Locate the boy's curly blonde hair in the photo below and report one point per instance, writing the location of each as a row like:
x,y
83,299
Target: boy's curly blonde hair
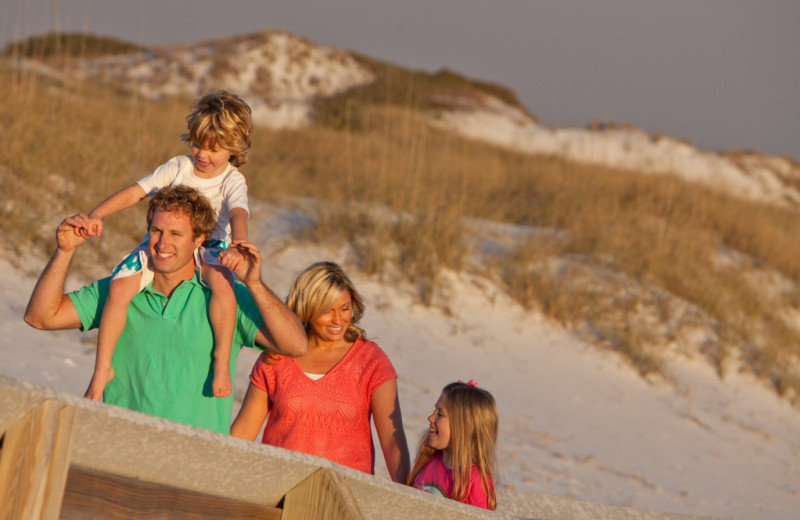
x,y
222,118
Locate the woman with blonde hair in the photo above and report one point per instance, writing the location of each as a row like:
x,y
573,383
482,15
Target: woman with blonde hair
x,y
321,403
456,455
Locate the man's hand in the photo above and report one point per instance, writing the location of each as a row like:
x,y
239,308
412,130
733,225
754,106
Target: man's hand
x,y
49,308
249,269
282,331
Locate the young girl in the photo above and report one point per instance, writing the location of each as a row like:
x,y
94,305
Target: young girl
x,y
219,129
456,456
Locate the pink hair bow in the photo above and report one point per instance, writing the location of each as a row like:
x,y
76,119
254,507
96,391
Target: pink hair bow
x,y
471,383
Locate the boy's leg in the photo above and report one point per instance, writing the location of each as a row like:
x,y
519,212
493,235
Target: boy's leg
x,y
222,314
112,323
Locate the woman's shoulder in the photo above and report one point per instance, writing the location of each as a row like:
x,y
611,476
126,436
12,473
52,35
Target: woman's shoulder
x,y
270,361
367,347
372,362
367,344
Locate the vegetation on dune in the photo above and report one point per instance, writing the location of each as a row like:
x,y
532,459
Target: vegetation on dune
x,y
640,264
59,45
411,90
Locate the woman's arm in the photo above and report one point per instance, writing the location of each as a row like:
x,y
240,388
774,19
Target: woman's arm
x,y
252,414
385,406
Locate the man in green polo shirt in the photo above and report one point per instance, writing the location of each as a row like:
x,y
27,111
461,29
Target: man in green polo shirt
x,y
163,362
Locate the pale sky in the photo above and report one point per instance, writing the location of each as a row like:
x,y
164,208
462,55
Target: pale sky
x,y
722,74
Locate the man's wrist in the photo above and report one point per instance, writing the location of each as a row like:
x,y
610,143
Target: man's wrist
x,y
257,284
66,252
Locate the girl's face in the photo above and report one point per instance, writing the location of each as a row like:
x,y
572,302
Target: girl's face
x,y
332,325
439,436
210,159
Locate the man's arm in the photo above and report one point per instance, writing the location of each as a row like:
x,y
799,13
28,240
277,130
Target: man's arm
x,y
282,331
49,308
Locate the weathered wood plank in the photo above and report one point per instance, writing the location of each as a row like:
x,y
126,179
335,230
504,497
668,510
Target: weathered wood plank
x,y
103,496
34,462
321,495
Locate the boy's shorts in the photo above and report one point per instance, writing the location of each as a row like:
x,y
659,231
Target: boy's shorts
x,y
138,261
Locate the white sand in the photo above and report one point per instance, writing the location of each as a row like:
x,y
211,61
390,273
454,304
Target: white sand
x,y
575,421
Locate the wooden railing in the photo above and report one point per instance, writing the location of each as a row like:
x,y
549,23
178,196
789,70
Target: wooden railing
x,y
66,457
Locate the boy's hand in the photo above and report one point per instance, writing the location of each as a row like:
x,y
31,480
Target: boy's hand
x,y
94,227
72,232
231,258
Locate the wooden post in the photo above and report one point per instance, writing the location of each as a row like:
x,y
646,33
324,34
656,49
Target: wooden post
x,y
34,463
94,494
321,495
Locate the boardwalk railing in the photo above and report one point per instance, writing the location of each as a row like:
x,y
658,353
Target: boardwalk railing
x,y
65,457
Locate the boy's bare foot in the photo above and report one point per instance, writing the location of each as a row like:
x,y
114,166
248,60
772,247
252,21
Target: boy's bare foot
x,y
100,379
221,385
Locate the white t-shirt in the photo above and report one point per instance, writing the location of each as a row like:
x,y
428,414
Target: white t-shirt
x,y
226,191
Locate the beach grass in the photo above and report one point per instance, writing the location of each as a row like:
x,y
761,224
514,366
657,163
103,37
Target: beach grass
x,y
638,263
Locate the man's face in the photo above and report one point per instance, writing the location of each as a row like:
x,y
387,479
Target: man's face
x,y
171,242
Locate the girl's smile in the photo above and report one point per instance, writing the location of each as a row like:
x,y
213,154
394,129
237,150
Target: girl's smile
x,y
439,436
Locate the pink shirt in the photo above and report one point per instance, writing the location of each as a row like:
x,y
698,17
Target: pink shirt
x,y
329,417
437,478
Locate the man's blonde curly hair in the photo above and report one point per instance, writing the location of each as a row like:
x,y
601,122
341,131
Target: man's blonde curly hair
x,y
190,201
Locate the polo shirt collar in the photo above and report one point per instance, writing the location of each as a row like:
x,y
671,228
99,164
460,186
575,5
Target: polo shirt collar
x,y
170,308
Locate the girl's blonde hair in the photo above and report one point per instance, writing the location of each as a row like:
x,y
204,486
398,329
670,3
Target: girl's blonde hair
x,y
220,117
316,289
472,414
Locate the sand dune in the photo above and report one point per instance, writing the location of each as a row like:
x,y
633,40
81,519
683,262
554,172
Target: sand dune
x,y
575,421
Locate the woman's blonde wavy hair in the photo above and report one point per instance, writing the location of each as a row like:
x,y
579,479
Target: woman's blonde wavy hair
x,y
316,289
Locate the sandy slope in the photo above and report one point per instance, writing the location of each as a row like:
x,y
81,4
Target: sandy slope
x,y
574,421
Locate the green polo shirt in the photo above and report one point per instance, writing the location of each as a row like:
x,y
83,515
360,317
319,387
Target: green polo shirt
x,y
163,362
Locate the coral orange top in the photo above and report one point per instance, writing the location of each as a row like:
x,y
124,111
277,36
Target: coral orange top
x,y
329,417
